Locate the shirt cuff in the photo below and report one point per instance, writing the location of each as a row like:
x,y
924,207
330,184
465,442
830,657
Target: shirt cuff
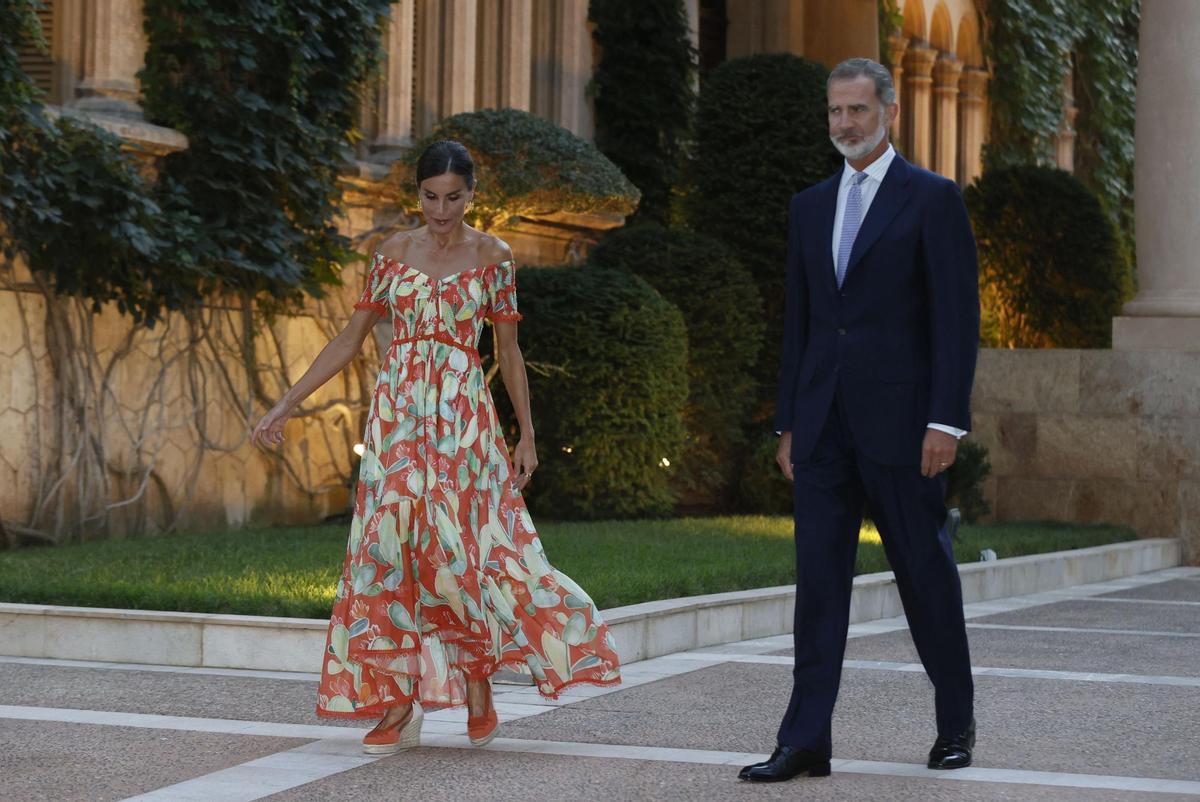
x,y
941,427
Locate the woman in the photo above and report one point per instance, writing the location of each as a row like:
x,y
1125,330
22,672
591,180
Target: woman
x,y
444,579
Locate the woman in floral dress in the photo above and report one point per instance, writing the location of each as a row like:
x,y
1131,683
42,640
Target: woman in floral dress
x,y
444,580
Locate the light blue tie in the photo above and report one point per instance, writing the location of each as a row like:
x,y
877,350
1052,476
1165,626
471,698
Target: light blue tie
x,y
850,223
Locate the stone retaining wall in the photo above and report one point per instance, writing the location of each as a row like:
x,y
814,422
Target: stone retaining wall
x,y
1093,436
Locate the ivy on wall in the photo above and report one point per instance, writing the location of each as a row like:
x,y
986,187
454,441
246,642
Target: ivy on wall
x,y
268,93
74,205
1029,44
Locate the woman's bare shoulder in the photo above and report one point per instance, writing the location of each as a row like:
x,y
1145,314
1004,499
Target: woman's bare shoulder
x,y
493,250
396,247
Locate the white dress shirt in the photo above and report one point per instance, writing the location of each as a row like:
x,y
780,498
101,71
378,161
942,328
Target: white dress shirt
x,y
875,171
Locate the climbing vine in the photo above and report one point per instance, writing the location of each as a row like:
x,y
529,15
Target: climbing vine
x,y
200,256
1031,44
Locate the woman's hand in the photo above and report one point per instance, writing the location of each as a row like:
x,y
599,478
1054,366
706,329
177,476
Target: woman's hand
x,y
269,431
524,461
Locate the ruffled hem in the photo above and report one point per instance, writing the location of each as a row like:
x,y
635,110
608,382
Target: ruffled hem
x,y
378,307
505,317
376,710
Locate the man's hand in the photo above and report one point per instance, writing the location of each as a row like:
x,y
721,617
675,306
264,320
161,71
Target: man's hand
x,y
938,452
783,455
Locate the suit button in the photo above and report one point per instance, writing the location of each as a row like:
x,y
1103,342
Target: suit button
x,y
841,331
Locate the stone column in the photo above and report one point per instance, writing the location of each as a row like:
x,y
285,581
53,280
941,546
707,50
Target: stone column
x,y
428,83
114,49
972,93
573,48
396,89
835,30
489,44
897,44
1064,139
946,72
516,54
1165,315
458,62
918,66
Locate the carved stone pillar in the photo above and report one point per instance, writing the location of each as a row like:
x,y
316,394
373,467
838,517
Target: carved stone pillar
x,y
972,94
946,72
897,44
918,68
1165,315
458,63
573,47
114,49
395,121
516,55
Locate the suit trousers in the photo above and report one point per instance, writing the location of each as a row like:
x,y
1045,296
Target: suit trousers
x,y
831,488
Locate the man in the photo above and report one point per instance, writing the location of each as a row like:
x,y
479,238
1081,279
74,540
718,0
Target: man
x,y
880,339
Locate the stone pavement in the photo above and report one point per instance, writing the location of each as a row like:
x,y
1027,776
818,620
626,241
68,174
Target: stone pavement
x,y
1088,693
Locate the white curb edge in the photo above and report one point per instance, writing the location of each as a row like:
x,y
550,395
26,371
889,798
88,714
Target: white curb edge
x,y
642,631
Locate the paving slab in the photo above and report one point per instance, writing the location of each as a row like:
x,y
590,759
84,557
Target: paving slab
x,y
1145,617
55,762
1056,651
450,775
1175,590
167,693
1040,725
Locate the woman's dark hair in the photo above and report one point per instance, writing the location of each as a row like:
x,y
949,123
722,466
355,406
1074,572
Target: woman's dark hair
x,y
446,156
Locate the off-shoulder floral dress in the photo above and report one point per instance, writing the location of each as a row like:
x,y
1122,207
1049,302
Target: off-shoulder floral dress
x,y
444,577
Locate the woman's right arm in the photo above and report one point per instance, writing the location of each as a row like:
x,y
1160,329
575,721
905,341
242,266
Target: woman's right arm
x,y
332,359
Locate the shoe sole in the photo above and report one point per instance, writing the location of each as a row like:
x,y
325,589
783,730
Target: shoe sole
x,y
485,740
817,771
947,768
410,738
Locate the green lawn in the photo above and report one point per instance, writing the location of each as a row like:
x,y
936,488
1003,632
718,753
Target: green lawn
x,y
292,571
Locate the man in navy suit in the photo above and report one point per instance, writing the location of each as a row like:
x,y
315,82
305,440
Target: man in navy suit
x,y
880,339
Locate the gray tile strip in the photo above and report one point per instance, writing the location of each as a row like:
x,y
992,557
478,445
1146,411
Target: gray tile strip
x,y
336,751
1089,630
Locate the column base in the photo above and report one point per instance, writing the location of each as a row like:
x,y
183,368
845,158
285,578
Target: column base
x,y
1156,333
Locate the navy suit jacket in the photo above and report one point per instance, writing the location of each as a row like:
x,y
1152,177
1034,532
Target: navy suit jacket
x,y
897,343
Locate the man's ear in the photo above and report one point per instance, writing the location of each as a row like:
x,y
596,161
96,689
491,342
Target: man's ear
x,y
891,112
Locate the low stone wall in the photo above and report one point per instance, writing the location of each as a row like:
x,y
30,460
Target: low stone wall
x,y
1093,436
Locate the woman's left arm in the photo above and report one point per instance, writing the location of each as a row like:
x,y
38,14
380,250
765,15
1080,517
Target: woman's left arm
x,y
516,382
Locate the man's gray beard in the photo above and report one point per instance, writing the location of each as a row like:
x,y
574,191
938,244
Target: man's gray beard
x,y
866,146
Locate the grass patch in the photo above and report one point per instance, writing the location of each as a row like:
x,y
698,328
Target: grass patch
x,y
292,571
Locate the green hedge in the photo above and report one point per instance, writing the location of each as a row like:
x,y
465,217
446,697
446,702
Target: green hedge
x,y
1050,267
761,136
644,94
525,165
723,313
607,366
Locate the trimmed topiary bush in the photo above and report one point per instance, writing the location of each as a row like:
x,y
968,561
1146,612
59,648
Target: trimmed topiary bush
x,y
644,94
607,366
964,481
525,166
723,314
763,488
761,135
1051,273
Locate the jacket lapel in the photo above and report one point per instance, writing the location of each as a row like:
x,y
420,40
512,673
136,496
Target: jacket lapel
x,y
889,199
824,240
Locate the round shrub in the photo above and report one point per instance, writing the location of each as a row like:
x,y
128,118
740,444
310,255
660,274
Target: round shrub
x,y
763,488
1050,270
606,357
644,95
964,481
525,166
723,314
761,135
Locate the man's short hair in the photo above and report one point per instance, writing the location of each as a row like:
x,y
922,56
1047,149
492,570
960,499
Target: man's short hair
x,y
853,68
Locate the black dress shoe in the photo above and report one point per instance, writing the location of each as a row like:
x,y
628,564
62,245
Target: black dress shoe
x,y
785,763
954,752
